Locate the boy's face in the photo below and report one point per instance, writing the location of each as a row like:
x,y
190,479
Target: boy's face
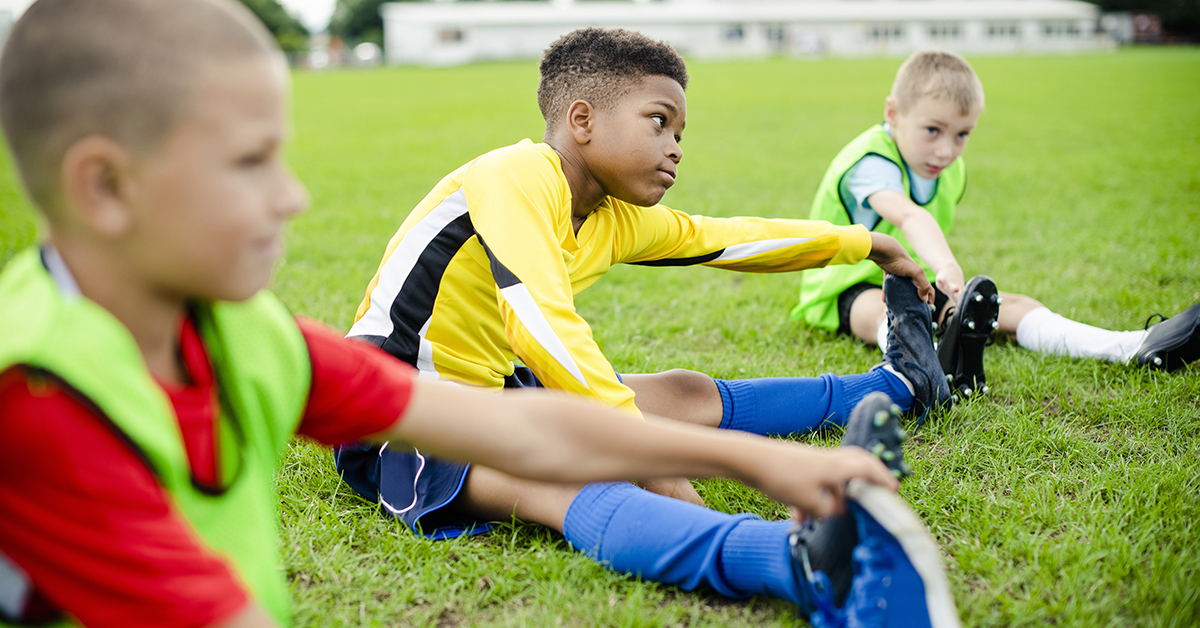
x,y
634,152
931,134
209,204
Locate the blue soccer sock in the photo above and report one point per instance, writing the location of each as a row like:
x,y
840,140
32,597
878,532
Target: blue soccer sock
x,y
674,542
777,406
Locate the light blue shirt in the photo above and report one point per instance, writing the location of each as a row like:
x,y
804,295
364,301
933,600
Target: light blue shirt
x,y
874,174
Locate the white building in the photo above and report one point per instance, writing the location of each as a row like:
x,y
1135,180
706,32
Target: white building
x,y
445,33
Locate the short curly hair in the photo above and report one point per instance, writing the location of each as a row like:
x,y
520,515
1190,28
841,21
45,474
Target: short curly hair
x,y
600,65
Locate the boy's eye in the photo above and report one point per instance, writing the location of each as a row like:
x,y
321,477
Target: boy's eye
x,y
932,130
659,119
254,159
964,134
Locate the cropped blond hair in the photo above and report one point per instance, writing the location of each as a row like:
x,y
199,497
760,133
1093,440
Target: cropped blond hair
x,y
937,74
123,69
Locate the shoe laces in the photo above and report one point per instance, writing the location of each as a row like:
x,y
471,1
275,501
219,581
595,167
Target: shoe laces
x,y
1161,318
941,328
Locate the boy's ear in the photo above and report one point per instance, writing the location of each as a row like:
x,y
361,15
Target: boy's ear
x,y
95,181
581,117
889,110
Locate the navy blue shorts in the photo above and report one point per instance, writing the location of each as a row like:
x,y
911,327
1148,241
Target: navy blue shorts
x,y
416,487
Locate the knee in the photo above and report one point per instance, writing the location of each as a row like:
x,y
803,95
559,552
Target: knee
x,y
688,385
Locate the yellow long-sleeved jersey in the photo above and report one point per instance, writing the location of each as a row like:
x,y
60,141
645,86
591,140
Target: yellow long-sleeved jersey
x,y
486,268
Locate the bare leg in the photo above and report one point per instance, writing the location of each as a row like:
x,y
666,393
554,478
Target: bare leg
x,y
867,313
1014,308
678,394
490,495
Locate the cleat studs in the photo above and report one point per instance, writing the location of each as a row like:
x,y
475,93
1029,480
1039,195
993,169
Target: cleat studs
x,y
902,435
895,410
978,298
985,390
995,324
888,456
999,300
967,392
881,417
878,449
1157,361
949,378
970,324
898,473
907,470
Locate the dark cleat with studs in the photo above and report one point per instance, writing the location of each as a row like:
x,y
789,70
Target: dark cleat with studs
x,y
1172,344
877,565
966,330
910,351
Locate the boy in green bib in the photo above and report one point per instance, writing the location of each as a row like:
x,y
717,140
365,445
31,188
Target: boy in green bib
x,y
904,177
149,384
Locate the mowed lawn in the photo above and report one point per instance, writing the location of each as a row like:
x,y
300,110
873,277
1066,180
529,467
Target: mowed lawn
x,y
1069,496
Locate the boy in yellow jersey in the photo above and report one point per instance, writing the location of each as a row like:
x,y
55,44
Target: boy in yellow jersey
x,y
904,177
484,272
149,383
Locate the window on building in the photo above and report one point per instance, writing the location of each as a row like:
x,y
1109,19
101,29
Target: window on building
x,y
1061,29
734,33
776,36
885,32
451,35
1003,30
945,30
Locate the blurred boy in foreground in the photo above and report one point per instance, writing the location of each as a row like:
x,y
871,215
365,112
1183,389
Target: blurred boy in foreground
x,y
149,383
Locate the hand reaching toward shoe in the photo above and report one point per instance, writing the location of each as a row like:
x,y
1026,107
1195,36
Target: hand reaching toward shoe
x,y
887,252
812,481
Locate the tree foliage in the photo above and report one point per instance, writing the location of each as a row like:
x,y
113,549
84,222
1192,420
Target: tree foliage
x,y
357,20
1179,17
287,29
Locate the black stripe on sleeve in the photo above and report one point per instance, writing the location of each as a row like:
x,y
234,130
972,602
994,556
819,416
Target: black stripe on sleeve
x,y
413,305
682,261
503,276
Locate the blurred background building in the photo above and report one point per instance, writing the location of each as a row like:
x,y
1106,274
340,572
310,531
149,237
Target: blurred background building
x,y
441,33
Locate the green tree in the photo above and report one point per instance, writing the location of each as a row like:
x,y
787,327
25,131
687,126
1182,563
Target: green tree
x,y
357,20
1179,17
288,31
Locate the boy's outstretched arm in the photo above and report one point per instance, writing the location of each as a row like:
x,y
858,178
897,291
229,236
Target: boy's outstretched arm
x,y
925,235
550,436
887,252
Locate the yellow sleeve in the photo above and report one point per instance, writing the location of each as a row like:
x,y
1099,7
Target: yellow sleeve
x,y
661,236
519,204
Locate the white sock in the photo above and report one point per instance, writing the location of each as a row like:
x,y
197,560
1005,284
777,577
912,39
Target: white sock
x,y
881,336
1045,331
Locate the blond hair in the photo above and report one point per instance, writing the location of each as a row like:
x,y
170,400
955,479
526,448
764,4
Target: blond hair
x,y
937,74
123,69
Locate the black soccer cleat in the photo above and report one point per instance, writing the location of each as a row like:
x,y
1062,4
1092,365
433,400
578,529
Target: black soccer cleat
x,y
826,545
874,425
965,333
910,350
1172,344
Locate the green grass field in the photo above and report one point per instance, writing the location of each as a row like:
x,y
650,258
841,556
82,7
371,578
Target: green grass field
x,y
1069,496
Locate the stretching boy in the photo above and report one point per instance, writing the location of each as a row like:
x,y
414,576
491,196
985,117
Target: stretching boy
x,y
484,271
148,386
904,178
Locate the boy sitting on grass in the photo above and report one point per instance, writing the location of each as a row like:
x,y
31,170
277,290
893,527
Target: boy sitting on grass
x,y
485,269
904,178
148,382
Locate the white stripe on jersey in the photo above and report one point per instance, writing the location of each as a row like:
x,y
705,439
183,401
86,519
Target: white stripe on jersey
x,y
750,249
426,369
530,315
378,320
